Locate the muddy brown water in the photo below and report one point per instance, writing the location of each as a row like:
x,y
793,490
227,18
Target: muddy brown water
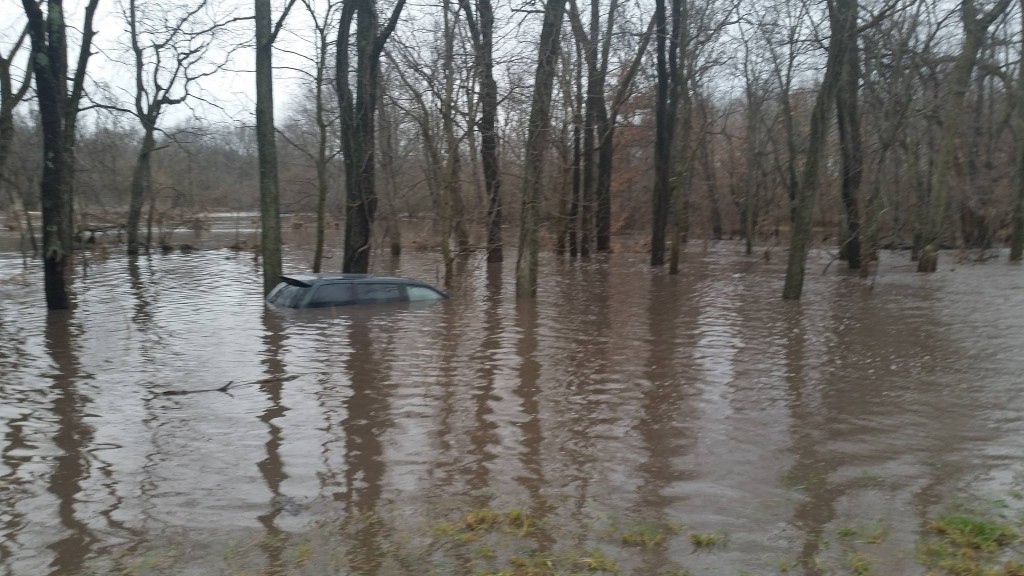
x,y
621,397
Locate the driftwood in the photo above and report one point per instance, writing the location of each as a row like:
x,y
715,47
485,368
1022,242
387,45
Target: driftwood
x,y
224,388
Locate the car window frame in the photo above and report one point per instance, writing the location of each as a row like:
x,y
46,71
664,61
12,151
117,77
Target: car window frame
x,y
402,295
296,301
355,298
440,295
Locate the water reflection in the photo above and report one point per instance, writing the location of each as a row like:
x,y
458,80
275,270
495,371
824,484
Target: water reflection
x,y
811,471
530,474
272,468
486,359
72,438
620,397
366,423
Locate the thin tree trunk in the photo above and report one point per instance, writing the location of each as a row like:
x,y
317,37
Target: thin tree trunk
x,y
850,147
974,29
605,160
800,239
388,131
1017,240
140,179
483,41
577,156
451,200
321,155
565,187
540,116
665,114
682,161
750,203
710,174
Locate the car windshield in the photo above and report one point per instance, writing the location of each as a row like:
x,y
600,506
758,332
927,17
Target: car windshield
x,y
288,296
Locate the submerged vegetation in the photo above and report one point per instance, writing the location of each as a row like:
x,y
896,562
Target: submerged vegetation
x,y
964,541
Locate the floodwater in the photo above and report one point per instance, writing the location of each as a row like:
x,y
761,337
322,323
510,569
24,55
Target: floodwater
x,y
621,398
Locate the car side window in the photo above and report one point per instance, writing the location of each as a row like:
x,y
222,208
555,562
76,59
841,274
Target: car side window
x,y
379,293
422,294
338,294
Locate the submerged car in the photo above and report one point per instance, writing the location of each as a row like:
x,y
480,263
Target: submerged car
x,y
325,290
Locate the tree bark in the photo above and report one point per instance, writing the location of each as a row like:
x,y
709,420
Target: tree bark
x,y
140,181
975,27
753,161
10,97
1017,239
540,117
665,114
800,239
357,124
850,143
270,201
482,32
58,111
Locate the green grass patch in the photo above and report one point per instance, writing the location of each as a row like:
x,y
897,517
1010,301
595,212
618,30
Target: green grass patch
x,y
974,532
706,540
643,535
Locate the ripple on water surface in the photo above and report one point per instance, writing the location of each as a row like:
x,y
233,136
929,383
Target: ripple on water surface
x,y
620,397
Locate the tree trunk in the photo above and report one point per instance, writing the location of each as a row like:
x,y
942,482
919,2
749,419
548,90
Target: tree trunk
x,y
540,116
1017,240
710,174
321,211
357,124
753,161
452,225
270,202
58,110
682,166
850,147
140,180
388,131
605,159
321,156
956,85
577,98
800,239
483,41
565,188
665,123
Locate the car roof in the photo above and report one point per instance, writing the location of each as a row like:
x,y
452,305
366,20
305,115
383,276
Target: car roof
x,y
309,279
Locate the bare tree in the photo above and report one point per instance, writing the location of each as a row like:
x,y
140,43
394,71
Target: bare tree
x,y
11,95
357,121
537,129
270,197
975,27
1017,239
324,118
850,142
666,30
481,28
803,212
170,47
58,111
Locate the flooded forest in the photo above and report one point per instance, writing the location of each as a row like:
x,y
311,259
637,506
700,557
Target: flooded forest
x,y
734,287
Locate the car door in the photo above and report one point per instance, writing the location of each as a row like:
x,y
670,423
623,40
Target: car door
x,y
333,294
379,293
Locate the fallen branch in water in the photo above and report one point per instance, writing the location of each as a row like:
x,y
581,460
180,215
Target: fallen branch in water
x,y
224,388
